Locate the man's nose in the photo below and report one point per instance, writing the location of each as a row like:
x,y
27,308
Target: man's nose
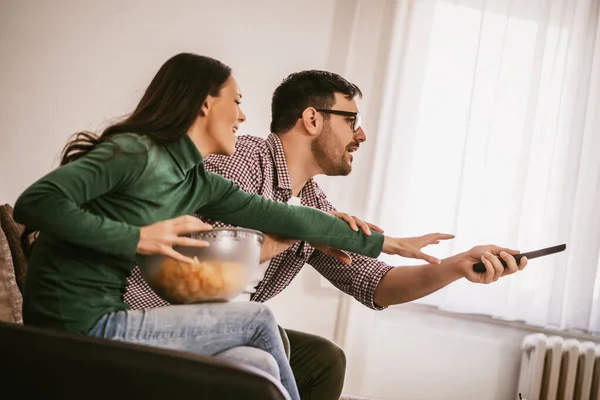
x,y
360,136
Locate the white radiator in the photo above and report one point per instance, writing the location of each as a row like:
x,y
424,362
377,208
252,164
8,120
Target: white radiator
x,y
556,368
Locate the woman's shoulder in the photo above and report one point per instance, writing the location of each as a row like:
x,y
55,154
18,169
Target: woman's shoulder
x,y
125,150
132,142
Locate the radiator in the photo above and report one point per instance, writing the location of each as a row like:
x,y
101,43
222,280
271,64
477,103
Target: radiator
x,y
556,368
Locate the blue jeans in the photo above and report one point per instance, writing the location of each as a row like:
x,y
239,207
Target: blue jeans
x,y
240,331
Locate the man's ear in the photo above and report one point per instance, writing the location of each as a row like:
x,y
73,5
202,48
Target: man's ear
x,y
312,121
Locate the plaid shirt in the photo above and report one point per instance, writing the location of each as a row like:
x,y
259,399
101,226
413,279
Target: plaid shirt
x,y
258,166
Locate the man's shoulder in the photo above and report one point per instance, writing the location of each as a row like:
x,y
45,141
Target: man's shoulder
x,y
247,148
246,166
320,198
250,140
319,192
250,145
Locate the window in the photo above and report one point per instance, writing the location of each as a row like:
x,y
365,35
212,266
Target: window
x,y
494,111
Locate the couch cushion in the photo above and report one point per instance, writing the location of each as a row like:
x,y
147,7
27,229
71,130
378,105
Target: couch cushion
x,y
11,301
13,233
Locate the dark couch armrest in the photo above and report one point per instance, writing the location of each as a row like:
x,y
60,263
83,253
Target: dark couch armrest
x,y
43,364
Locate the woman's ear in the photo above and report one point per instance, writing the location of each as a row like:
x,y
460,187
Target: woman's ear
x,y
207,105
204,109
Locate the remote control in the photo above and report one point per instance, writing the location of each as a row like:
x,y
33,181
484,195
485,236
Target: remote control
x,y
479,267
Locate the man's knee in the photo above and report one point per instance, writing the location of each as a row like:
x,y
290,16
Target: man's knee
x,y
336,359
319,366
324,356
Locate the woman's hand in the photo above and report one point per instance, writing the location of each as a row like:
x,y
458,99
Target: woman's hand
x,y
411,247
160,237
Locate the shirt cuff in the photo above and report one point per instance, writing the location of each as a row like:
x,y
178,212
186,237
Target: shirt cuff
x,y
367,282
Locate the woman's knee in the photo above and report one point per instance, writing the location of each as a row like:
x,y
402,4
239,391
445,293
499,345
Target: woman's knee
x,y
259,311
254,357
235,310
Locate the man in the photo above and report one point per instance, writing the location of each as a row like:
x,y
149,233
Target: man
x,y
315,129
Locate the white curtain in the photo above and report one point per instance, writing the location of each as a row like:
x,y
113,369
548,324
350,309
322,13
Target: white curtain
x,y
490,129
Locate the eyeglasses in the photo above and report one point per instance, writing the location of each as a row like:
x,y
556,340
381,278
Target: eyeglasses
x,y
355,117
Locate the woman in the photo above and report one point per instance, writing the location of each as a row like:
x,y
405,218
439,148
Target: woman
x,y
130,192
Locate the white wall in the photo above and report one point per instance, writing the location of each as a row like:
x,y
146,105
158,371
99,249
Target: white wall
x,y
68,65
431,356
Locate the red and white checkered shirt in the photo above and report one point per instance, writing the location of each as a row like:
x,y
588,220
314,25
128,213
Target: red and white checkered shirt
x,y
259,166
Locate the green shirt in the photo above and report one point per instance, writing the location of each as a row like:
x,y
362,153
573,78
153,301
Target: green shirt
x,y
89,215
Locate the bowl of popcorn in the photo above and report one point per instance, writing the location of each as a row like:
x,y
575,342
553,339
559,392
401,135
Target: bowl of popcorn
x,y
219,272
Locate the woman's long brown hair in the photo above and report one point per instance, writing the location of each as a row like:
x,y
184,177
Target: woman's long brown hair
x,y
165,113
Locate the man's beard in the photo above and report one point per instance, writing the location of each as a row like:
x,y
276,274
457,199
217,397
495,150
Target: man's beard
x,y
327,155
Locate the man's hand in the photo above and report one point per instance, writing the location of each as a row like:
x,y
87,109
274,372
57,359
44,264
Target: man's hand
x,y
339,254
411,247
356,223
404,284
489,255
273,245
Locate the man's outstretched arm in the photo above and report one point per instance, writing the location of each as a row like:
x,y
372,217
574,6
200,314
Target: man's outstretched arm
x,y
378,285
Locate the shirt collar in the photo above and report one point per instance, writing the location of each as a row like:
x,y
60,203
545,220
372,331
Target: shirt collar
x,y
310,192
281,169
185,153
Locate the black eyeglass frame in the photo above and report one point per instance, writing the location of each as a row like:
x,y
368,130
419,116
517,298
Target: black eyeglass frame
x,y
356,116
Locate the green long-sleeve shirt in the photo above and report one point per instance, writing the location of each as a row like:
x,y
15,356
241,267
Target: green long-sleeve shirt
x,y
89,215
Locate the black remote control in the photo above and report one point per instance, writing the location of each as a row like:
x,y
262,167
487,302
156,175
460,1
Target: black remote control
x,y
479,267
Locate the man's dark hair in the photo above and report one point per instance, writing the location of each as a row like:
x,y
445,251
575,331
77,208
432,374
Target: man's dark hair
x,y
306,89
